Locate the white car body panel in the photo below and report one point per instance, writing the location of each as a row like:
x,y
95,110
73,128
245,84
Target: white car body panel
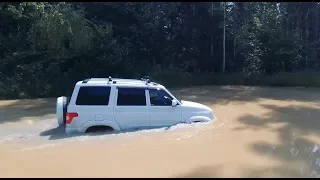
x,y
190,110
129,117
164,115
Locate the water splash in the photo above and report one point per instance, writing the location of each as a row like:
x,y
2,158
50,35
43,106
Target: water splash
x,y
36,147
33,131
294,151
314,174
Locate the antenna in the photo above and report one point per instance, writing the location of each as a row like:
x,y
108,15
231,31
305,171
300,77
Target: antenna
x,y
146,79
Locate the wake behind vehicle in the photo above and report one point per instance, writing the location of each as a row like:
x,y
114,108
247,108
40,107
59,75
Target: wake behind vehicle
x,y
122,104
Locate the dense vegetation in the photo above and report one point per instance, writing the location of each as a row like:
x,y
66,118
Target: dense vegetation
x,y
45,47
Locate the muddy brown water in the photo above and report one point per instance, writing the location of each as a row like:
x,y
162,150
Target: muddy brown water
x,y
259,132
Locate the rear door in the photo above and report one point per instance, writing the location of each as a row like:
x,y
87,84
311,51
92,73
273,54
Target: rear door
x,y
131,110
92,103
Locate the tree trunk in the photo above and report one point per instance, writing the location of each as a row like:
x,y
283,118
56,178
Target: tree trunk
x,y
234,48
316,9
303,26
224,38
312,38
211,37
242,18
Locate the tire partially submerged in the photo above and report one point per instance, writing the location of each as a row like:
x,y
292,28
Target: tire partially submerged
x,y
61,110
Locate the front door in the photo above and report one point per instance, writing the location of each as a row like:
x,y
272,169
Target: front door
x,y
161,111
131,110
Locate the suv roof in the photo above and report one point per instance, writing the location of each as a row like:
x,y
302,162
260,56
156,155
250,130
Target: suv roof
x,y
118,81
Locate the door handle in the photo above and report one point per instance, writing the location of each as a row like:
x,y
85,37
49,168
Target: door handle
x,y
119,109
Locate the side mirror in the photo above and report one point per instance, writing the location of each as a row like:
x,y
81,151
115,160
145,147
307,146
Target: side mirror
x,y
174,103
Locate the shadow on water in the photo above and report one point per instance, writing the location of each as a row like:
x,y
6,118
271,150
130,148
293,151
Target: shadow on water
x,y
292,124
296,123
202,172
217,171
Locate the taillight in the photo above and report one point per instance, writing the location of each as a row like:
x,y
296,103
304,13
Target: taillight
x,y
70,116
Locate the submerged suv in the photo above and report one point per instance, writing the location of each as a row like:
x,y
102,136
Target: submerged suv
x,y
122,104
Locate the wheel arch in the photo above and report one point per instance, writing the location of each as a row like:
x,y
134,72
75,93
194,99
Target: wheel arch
x,y
110,124
197,119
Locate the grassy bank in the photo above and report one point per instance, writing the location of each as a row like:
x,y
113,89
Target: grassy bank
x,y
305,79
12,89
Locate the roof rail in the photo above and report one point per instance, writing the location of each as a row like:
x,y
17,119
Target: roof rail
x,y
109,80
86,80
145,78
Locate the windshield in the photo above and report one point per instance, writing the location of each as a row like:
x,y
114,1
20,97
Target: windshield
x,y
173,96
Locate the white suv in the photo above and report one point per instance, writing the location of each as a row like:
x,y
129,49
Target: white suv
x,y
122,104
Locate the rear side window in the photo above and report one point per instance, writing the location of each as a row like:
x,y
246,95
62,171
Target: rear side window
x,y
93,95
131,97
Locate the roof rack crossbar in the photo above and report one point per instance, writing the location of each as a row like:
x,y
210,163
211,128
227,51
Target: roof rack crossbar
x,y
146,79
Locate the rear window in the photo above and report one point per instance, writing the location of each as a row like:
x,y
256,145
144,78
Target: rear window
x,y
93,95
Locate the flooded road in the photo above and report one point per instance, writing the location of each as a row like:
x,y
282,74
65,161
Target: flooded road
x,y
259,132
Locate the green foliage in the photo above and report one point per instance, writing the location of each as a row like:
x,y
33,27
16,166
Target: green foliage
x,y
59,30
45,47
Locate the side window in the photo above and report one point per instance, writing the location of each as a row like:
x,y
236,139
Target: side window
x,y
93,95
159,97
131,97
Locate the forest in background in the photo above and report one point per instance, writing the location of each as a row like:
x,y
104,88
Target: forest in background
x,y
45,47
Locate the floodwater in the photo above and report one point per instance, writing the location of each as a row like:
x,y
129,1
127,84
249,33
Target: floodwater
x,y
259,132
